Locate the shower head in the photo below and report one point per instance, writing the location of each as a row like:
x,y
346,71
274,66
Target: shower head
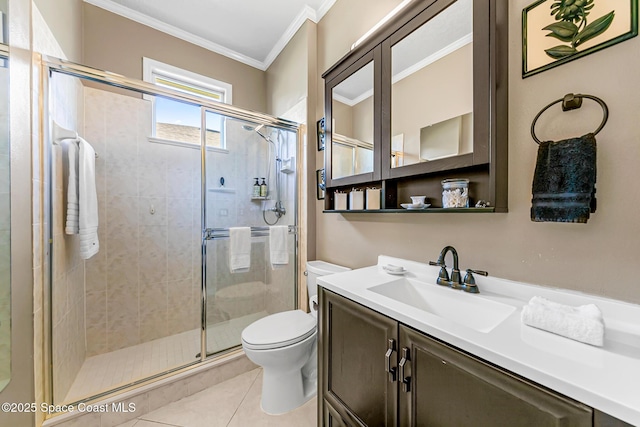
x,y
251,128
257,130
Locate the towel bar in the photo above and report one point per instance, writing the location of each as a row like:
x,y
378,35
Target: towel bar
x,y
59,134
572,102
223,233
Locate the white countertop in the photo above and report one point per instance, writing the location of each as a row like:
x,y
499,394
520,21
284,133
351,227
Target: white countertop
x,y
606,378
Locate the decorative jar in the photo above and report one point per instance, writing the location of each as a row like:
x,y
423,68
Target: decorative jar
x,y
455,193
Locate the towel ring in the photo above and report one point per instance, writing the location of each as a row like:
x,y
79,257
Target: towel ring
x,y
572,102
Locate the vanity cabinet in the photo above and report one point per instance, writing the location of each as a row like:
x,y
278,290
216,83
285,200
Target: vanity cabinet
x,y
356,390
375,371
423,99
450,388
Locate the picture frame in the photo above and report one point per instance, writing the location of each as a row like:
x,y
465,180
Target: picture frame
x,y
554,34
320,184
320,130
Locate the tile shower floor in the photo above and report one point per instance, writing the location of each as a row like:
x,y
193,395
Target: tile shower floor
x,y
233,403
110,370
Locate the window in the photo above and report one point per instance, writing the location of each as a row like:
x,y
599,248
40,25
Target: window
x,y
180,122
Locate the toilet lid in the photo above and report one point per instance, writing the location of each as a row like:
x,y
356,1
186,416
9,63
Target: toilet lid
x,y
279,330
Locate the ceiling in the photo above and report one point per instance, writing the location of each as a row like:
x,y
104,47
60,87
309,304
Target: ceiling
x,y
250,31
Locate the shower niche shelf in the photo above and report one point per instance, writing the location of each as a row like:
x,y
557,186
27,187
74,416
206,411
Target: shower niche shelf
x,y
260,198
222,190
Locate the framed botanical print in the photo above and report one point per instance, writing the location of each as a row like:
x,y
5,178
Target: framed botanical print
x,y
555,32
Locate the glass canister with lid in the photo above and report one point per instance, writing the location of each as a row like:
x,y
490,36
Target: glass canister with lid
x,y
455,193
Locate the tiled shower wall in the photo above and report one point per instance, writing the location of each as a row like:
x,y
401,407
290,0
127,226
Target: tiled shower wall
x,y
145,281
68,310
261,289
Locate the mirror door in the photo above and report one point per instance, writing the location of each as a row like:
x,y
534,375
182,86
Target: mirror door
x,y
353,123
437,91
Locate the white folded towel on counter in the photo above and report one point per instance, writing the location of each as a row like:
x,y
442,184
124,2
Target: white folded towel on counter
x,y
583,323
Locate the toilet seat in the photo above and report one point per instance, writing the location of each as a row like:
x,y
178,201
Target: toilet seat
x,y
279,330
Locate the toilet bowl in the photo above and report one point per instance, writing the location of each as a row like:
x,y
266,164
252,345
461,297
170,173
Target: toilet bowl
x,y
285,345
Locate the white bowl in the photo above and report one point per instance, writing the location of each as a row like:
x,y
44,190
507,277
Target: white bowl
x,y
415,206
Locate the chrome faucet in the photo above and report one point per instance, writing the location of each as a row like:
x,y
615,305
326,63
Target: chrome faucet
x,y
468,283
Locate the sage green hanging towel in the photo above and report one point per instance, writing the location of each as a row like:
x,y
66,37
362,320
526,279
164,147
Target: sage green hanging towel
x,y
564,180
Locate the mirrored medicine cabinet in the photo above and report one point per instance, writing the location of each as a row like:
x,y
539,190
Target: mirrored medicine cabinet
x,y
423,99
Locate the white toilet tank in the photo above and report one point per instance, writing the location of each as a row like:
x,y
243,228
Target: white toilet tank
x,y
316,269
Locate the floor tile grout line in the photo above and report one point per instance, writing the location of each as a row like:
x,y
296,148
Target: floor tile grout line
x,y
160,423
243,399
155,422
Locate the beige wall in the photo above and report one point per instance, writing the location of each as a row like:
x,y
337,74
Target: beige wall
x,y
117,44
599,257
64,18
286,77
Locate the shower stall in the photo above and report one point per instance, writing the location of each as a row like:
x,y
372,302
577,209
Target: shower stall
x,y
173,173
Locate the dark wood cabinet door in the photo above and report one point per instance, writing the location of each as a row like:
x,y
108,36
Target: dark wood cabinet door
x,y
354,342
450,388
331,417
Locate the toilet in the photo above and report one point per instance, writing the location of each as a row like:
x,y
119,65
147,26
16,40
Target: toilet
x,y
285,345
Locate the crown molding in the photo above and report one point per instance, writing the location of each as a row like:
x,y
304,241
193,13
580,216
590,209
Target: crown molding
x,y
143,19
306,13
323,9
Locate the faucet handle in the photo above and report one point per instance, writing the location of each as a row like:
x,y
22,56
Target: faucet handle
x,y
443,276
480,272
469,283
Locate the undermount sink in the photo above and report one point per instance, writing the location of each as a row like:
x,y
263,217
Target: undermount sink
x,y
470,310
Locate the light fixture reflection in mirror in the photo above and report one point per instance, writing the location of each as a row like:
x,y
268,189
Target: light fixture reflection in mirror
x,y
352,124
432,89
5,228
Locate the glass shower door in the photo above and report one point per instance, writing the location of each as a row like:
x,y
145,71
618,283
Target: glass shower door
x,y
243,289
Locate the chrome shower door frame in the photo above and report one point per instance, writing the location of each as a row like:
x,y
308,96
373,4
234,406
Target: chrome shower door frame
x,y
49,66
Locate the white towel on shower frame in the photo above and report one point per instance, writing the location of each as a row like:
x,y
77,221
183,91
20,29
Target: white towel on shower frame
x,y
88,218
82,198
279,253
239,249
72,224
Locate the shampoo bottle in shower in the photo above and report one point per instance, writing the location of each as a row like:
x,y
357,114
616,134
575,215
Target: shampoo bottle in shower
x,y
263,188
256,188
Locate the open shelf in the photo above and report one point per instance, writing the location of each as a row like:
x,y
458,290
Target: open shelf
x,y
427,210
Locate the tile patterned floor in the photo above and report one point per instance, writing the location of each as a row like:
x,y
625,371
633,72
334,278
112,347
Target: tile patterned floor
x,y
233,403
110,370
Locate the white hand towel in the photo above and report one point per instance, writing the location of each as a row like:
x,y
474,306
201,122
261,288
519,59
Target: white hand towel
x,y
72,225
278,250
88,218
583,323
239,249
